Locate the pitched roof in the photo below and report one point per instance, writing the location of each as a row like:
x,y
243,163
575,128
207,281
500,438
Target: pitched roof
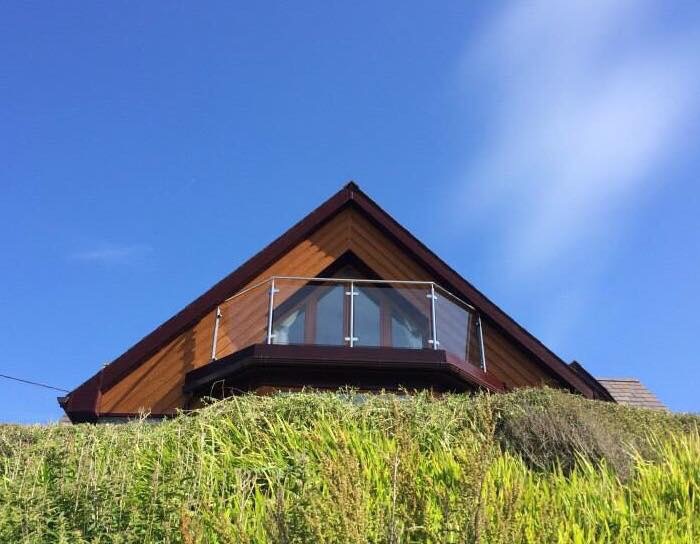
x,y
85,397
601,392
632,392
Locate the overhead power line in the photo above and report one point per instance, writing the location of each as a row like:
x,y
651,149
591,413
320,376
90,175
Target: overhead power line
x,y
29,382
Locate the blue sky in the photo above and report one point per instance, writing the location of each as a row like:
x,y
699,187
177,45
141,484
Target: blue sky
x,y
549,153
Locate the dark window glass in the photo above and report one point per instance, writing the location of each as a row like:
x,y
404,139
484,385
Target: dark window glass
x,y
290,330
329,317
367,327
405,334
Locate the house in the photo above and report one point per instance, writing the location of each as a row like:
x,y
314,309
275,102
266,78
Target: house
x,y
347,296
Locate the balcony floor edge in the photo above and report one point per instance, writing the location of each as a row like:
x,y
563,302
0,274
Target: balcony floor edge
x,y
330,367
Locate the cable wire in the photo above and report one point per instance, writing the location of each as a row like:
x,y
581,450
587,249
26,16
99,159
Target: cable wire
x,y
29,382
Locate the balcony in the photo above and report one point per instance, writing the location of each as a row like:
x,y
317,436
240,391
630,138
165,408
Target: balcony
x,y
291,332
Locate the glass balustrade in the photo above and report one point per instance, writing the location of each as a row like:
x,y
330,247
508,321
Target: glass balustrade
x,y
351,313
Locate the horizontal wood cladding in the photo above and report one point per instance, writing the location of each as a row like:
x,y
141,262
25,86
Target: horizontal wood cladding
x,y
510,364
157,385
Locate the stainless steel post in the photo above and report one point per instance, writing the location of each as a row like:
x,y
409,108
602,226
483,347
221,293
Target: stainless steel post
x,y
432,298
215,336
481,343
270,310
351,339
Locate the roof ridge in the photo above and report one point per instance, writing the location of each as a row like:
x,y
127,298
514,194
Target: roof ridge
x,y
619,379
351,185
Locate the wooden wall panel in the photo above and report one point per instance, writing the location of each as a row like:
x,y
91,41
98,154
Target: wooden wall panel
x,y
380,254
510,364
156,385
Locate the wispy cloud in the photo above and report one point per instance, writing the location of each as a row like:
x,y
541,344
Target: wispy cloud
x,y
584,101
111,254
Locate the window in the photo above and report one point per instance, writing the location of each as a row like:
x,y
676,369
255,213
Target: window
x,y
318,313
367,319
290,330
405,334
330,317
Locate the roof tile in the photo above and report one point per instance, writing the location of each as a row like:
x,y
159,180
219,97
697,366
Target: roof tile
x,y
631,392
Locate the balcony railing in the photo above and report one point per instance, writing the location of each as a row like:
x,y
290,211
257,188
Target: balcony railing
x,y
351,313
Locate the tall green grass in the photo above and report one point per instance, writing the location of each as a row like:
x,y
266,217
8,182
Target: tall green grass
x,y
532,466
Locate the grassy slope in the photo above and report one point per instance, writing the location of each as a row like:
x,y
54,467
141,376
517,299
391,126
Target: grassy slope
x,y
531,466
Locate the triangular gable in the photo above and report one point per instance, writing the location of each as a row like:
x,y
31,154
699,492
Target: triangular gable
x,y
85,398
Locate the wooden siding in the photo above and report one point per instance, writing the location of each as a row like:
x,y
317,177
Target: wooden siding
x,y
510,364
156,386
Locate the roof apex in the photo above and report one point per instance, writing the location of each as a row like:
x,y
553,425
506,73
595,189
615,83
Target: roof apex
x,y
352,186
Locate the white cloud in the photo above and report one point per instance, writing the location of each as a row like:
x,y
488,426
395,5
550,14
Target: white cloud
x,y
583,101
110,254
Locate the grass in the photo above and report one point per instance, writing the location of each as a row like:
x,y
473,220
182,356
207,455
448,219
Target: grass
x,y
530,466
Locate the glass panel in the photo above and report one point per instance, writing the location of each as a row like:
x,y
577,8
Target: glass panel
x,y
392,315
308,312
330,316
243,321
290,329
474,355
456,329
452,327
405,333
409,316
367,328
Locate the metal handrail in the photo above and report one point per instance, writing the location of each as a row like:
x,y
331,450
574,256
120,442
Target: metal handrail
x,y
347,280
433,287
248,289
